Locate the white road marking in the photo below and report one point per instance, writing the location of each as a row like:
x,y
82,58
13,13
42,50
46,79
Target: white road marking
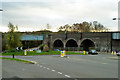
x,y
37,64
53,70
44,67
67,76
59,73
104,63
48,68
40,66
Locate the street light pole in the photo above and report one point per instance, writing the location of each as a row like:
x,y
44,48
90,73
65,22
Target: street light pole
x,y
118,22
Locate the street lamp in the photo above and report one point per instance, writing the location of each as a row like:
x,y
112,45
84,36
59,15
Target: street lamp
x,y
116,19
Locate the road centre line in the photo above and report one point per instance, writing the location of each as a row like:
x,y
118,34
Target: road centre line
x,y
53,70
48,68
59,73
104,63
44,67
67,76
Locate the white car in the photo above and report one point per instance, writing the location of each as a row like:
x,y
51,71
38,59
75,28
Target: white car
x,y
118,54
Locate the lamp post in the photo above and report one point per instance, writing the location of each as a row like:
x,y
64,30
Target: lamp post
x,y
118,19
111,32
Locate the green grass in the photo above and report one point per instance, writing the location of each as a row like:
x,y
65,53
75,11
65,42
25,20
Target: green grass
x,y
17,60
42,53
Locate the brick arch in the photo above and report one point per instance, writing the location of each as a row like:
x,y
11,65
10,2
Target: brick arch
x,y
86,43
70,44
56,39
58,43
69,39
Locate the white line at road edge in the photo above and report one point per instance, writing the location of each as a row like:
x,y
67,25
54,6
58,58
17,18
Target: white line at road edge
x,y
67,76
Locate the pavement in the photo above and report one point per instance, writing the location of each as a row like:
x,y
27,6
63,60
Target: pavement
x,y
74,66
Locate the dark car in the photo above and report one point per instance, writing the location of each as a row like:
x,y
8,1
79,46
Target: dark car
x,y
118,54
93,52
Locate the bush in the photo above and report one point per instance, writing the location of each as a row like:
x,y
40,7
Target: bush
x,y
10,50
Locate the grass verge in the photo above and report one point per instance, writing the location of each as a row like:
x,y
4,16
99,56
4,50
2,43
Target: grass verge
x,y
25,61
20,53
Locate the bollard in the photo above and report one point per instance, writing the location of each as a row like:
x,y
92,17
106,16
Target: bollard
x,y
84,52
13,55
62,53
25,52
115,53
112,53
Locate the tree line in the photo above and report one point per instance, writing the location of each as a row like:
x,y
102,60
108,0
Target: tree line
x,y
84,27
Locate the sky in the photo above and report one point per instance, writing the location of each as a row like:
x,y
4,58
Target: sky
x,y
34,15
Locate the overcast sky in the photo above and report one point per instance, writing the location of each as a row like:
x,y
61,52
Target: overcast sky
x,y
33,15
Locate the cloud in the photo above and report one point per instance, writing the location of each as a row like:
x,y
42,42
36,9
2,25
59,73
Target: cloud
x,y
38,13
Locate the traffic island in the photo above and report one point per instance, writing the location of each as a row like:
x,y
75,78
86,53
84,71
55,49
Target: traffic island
x,y
19,60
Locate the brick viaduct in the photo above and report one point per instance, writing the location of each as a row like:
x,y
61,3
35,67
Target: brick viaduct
x,y
102,41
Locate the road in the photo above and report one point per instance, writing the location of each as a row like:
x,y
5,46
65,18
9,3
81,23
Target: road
x,y
75,66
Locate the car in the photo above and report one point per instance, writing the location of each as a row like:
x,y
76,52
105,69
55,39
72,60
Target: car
x,y
57,50
118,54
93,52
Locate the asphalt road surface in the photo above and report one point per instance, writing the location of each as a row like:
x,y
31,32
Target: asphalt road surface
x,y
53,66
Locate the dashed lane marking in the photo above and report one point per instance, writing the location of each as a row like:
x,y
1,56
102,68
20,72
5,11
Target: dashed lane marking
x,y
67,76
104,63
44,67
48,68
59,73
53,70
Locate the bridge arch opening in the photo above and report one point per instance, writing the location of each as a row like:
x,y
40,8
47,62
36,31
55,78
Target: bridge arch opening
x,y
58,43
87,44
71,43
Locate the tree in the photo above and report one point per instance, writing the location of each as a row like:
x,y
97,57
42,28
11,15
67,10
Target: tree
x,y
98,27
12,37
84,27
